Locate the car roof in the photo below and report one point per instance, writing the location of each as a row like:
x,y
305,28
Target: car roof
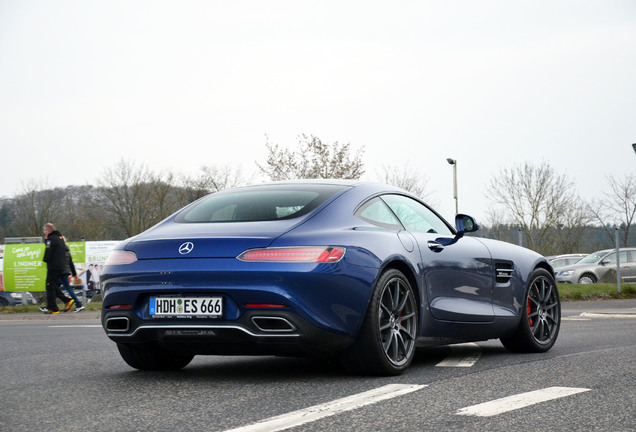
x,y
606,251
565,256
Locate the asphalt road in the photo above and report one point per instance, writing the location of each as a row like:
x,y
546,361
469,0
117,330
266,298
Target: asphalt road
x,y
61,373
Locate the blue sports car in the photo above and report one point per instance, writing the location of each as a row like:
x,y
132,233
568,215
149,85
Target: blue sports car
x,y
365,272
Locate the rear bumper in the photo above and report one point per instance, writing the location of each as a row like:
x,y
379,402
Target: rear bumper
x,y
257,332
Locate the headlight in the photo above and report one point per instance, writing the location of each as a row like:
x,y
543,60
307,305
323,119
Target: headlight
x,y
566,273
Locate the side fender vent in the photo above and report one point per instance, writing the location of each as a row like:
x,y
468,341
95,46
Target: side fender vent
x,y
503,272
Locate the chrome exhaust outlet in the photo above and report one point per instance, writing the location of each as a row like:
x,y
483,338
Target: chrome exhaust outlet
x,y
273,324
118,324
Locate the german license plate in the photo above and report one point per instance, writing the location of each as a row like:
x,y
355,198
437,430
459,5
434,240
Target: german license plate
x,y
207,307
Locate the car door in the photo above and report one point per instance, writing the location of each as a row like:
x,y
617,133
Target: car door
x,y
458,277
628,267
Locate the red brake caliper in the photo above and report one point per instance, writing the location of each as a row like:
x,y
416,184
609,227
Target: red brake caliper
x,y
529,319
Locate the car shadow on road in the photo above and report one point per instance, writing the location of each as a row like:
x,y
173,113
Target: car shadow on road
x,y
219,369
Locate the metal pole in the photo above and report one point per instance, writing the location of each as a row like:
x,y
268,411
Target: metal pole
x,y
453,162
618,261
455,188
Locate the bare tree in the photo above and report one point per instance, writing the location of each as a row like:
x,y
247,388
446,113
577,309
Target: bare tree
x,y
618,208
212,178
542,204
409,179
35,205
134,197
312,159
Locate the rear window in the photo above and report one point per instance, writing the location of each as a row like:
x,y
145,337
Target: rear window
x,y
264,203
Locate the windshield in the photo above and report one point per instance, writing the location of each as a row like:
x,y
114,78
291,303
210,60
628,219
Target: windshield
x,y
254,204
591,258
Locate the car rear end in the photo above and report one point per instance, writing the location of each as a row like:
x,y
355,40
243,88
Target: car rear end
x,y
225,288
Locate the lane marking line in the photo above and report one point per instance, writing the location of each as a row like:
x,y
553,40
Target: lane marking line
x,y
608,315
317,412
77,326
522,400
462,355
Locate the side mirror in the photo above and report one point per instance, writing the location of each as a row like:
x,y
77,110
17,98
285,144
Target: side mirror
x,y
464,224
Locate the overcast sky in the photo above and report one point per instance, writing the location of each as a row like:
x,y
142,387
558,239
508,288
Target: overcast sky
x,y
180,84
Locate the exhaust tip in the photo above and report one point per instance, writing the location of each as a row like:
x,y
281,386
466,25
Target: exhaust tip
x,y
273,324
118,324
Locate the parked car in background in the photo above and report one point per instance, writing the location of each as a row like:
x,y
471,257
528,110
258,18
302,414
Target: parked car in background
x,y
600,266
559,261
15,298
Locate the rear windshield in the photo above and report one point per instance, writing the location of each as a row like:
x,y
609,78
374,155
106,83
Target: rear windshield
x,y
264,203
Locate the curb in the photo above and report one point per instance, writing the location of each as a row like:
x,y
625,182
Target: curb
x,y
36,316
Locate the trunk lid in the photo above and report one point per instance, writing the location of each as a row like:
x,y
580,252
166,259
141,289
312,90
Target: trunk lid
x,y
206,240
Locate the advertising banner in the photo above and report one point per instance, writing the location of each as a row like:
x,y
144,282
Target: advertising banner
x,y
90,269
24,269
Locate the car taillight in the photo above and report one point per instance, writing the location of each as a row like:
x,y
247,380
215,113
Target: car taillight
x,y
119,257
119,307
309,254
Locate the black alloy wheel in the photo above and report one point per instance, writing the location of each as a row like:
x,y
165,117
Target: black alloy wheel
x,y
386,343
541,316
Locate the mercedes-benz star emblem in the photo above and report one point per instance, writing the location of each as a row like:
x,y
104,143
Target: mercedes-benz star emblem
x,y
186,248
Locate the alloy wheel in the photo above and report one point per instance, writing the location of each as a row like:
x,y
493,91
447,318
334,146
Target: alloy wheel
x,y
543,310
397,320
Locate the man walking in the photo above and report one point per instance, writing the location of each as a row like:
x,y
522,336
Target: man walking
x,y
55,258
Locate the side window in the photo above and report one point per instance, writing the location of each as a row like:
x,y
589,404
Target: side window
x,y
612,257
415,216
376,212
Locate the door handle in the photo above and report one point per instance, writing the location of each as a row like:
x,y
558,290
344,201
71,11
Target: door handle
x,y
435,246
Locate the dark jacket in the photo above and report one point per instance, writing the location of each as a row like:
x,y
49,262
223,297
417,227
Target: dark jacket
x,y
55,252
69,268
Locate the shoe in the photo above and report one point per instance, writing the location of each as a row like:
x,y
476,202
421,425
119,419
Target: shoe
x,y
80,308
70,303
52,312
44,309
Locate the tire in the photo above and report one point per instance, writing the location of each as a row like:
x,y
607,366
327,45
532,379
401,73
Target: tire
x,y
587,278
386,342
540,318
153,359
4,301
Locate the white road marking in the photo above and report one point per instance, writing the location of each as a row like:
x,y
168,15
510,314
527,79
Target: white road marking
x,y
317,412
461,355
575,318
511,403
77,326
608,315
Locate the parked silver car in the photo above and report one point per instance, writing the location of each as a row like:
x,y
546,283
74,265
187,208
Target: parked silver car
x,y
600,267
559,261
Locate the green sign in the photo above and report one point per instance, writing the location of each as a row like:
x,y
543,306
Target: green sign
x,y
24,269
78,251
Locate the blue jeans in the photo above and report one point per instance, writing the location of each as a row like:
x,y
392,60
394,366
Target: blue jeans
x,y
64,281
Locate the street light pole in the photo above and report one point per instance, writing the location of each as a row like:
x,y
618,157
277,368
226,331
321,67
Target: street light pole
x,y
453,162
